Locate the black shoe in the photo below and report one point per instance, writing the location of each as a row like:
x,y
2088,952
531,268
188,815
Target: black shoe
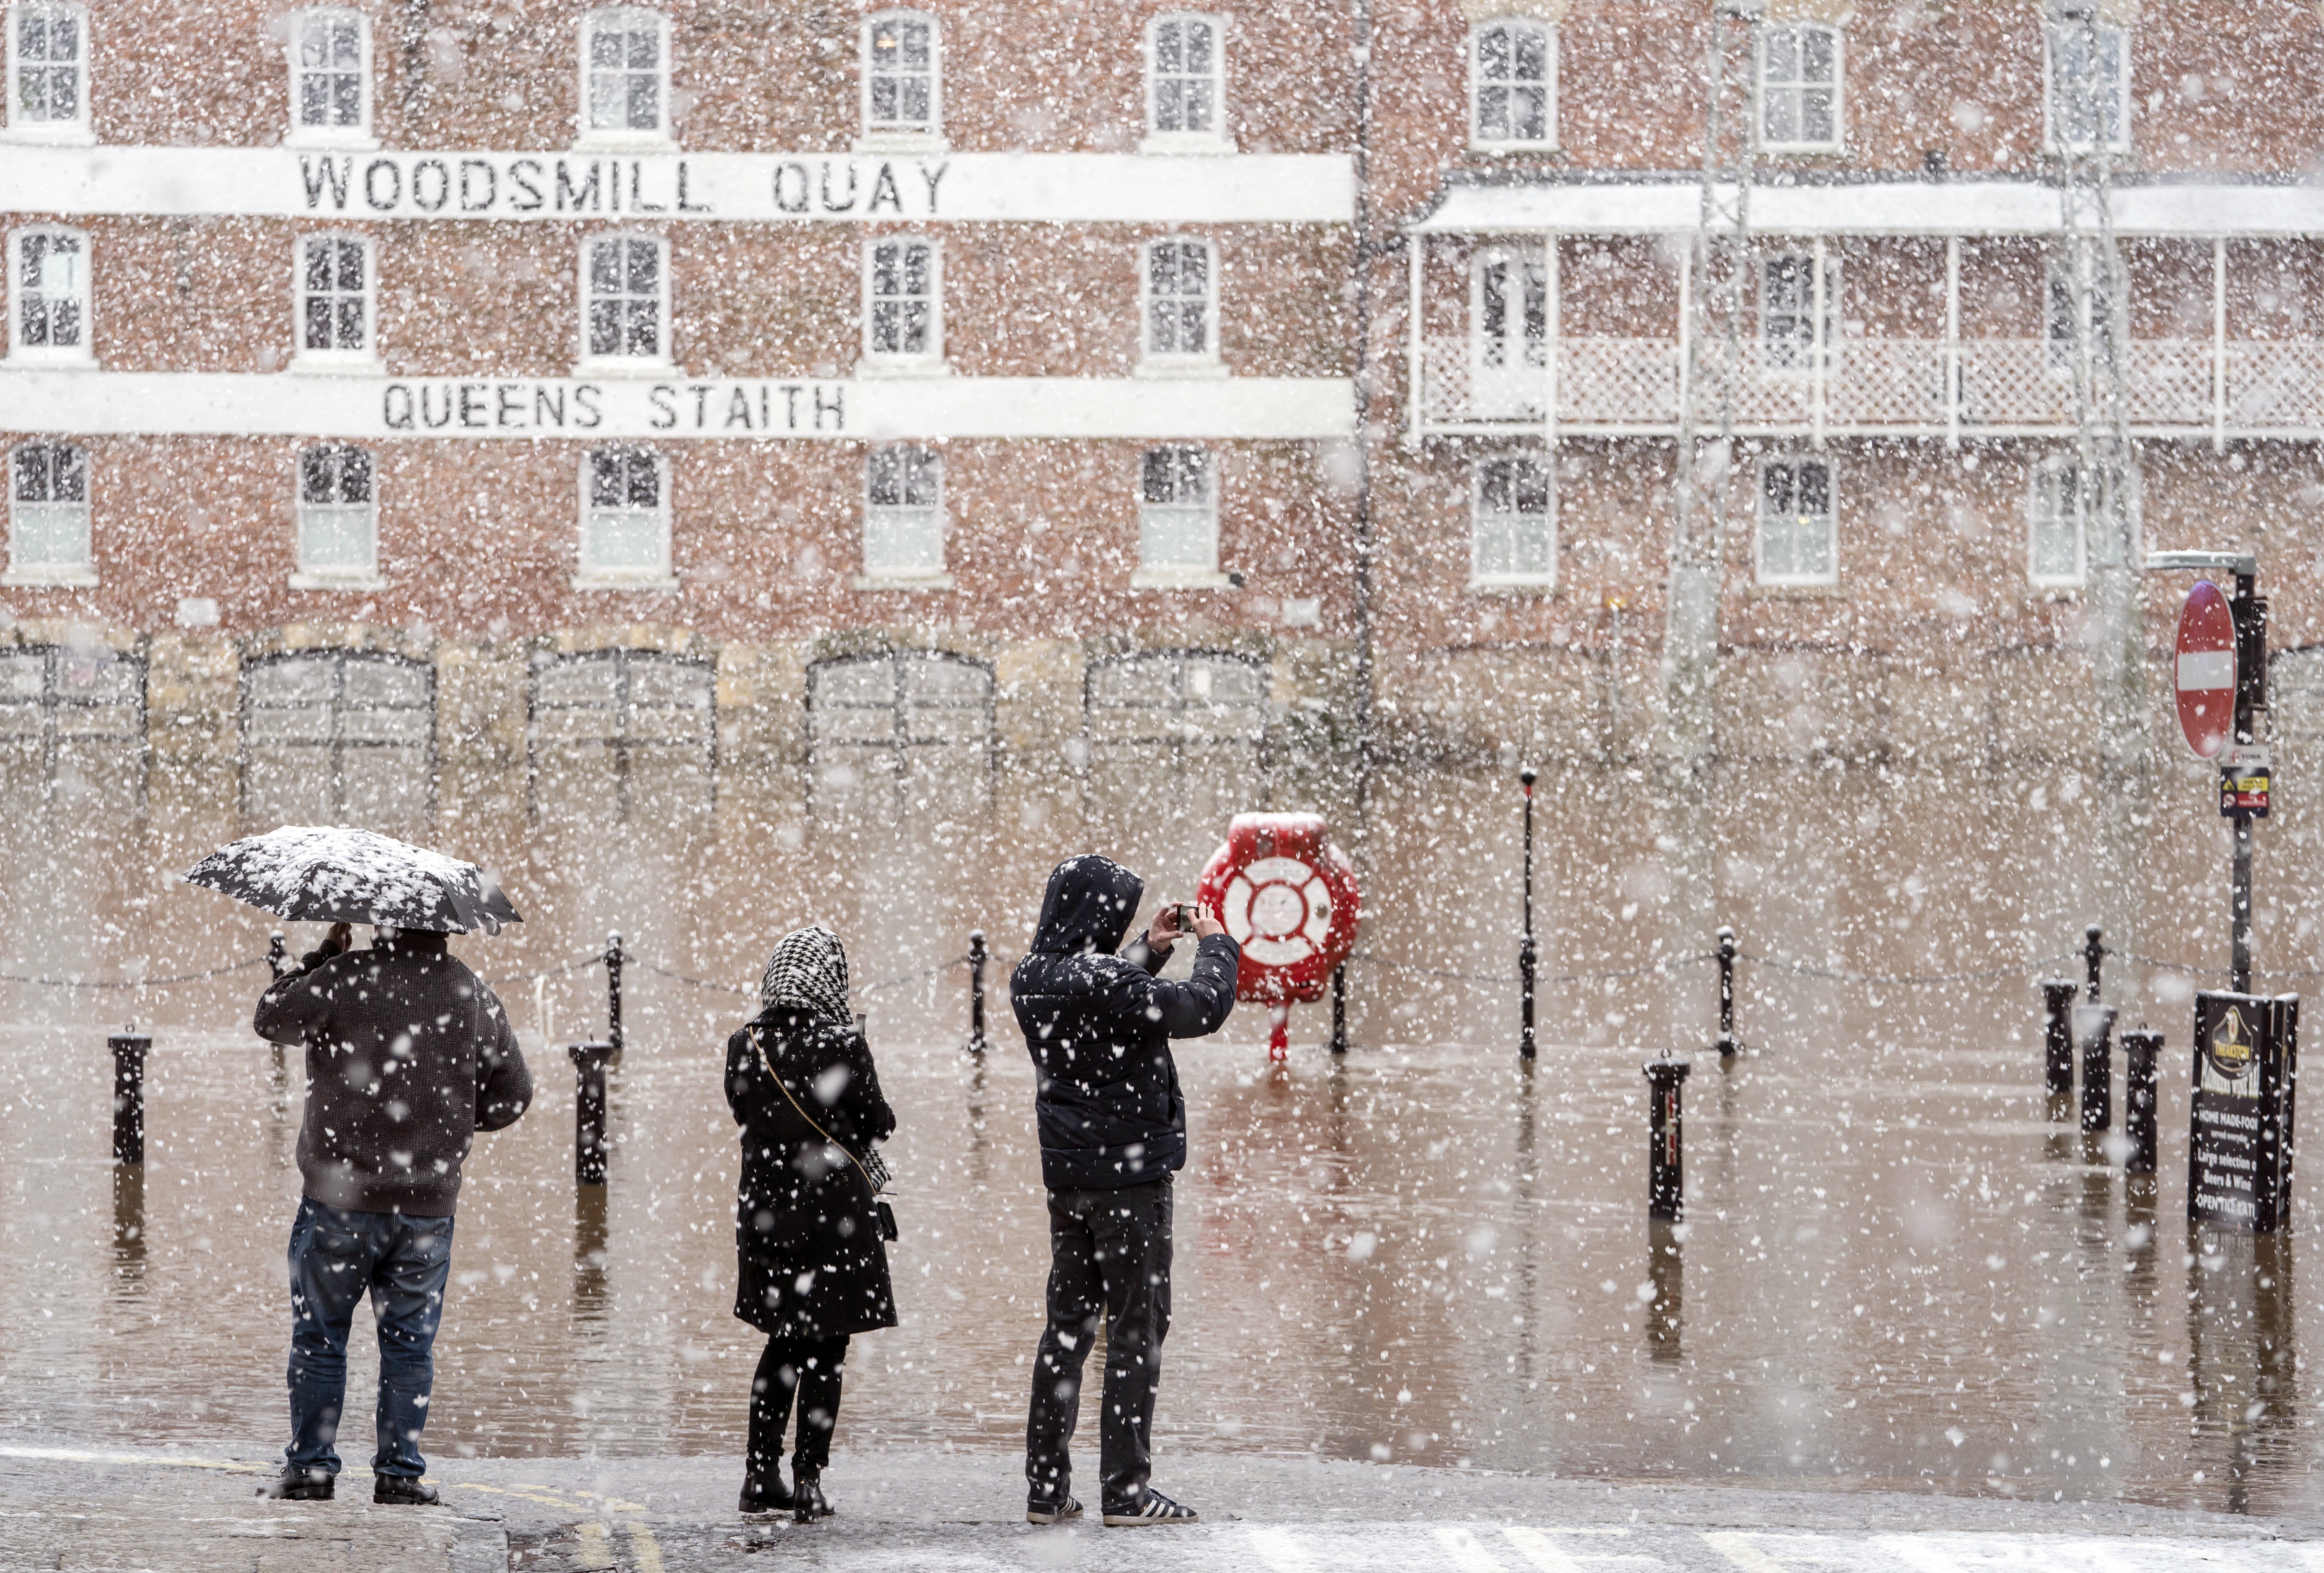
x,y
1050,1510
806,1495
764,1495
403,1491
299,1485
1153,1508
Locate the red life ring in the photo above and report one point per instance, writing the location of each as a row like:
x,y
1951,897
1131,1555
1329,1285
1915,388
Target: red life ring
x,y
1288,896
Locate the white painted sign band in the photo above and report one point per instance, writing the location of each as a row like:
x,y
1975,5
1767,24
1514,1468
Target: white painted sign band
x,y
387,409
2206,669
657,188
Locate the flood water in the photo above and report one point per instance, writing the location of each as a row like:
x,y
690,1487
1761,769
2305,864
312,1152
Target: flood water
x,y
1899,1267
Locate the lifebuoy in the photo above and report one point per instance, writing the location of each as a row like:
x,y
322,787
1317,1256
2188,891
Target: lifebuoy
x,y
1288,896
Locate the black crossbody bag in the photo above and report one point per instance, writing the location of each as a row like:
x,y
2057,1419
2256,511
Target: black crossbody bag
x,y
872,1168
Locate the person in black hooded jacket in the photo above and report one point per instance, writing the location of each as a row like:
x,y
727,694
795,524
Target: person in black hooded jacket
x,y
1113,1129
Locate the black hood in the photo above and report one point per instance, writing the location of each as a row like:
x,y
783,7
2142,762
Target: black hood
x,y
1090,905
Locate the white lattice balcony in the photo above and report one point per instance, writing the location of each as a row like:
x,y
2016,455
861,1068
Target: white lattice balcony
x,y
1866,386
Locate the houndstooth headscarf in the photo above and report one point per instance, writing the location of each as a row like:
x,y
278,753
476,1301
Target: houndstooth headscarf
x,y
807,973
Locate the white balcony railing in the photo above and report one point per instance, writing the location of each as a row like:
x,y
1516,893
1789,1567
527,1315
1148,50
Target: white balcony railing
x,y
1618,386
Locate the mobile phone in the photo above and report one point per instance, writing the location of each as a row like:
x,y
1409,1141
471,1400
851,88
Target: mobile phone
x,y
1182,917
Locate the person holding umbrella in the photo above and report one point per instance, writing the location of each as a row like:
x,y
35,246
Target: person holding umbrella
x,y
409,1054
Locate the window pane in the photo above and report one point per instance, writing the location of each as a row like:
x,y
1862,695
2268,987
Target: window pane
x,y
334,537
644,481
624,539
1175,538
903,541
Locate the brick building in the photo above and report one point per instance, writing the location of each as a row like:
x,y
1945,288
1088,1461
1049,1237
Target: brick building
x,y
411,408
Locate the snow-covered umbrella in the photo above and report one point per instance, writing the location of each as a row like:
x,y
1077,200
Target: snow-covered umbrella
x,y
322,874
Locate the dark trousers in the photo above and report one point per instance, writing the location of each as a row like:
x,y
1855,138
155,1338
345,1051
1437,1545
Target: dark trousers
x,y
337,1257
1109,1255
808,1369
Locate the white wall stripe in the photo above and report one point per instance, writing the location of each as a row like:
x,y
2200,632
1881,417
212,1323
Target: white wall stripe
x,y
485,408
681,188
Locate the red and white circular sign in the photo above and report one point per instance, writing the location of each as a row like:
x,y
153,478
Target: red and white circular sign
x,y
2206,669
1288,897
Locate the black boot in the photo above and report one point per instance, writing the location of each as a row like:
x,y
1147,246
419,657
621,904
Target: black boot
x,y
806,1495
403,1491
294,1485
765,1493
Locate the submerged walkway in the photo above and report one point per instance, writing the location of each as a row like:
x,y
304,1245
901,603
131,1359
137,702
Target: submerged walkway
x,y
97,1510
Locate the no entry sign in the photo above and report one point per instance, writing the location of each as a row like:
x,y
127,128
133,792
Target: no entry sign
x,y
2206,669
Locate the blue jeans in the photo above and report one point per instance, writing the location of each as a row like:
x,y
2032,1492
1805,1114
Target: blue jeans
x,y
336,1258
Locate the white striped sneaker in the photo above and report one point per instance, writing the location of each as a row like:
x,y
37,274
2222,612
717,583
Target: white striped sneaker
x,y
1154,1509
1043,1510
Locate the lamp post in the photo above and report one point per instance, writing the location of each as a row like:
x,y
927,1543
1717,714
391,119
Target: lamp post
x,y
1526,952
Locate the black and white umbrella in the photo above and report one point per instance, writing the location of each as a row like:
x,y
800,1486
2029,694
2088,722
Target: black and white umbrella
x,y
317,874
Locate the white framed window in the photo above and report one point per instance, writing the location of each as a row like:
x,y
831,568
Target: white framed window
x,y
1512,85
330,78
1185,85
903,515
903,305
2089,86
338,518
1513,526
902,70
2056,545
624,301
624,520
1177,519
48,319
335,295
48,516
47,72
1797,308
1798,541
1178,301
624,77
1800,83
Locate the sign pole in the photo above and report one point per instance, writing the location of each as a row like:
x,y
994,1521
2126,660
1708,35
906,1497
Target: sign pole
x,y
2251,694
1526,951
2240,1146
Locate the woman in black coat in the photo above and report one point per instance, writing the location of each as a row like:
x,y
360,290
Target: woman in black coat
x,y
814,1267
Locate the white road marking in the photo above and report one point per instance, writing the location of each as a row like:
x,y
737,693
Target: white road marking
x,y
1279,1551
1536,1548
1468,1552
1740,1551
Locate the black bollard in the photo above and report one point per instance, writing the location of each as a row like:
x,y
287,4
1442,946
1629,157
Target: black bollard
x,y
589,1063
1340,1009
277,963
976,956
2140,1050
2058,1037
2094,1028
1665,1165
129,1048
1525,950
2094,956
613,990
1727,1043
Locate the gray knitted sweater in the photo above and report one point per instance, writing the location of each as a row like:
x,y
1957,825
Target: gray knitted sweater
x,y
409,1054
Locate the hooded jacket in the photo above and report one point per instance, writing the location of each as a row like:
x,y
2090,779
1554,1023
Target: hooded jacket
x,y
1099,1028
